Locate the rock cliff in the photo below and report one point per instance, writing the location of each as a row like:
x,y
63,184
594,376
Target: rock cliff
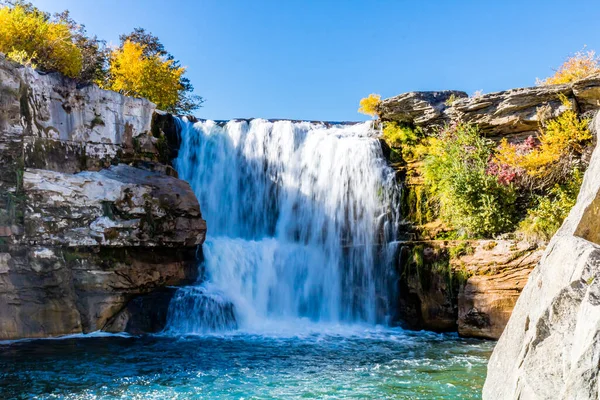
x,y
515,112
550,348
474,294
93,221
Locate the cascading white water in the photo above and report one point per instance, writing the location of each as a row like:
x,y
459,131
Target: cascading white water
x,y
299,221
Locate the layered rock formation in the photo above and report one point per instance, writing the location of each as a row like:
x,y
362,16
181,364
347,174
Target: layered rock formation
x,y
550,348
93,221
515,112
473,293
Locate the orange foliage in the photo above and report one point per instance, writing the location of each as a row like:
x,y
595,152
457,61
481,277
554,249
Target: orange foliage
x,y
368,105
581,65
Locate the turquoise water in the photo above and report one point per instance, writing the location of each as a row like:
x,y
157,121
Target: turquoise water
x,y
342,363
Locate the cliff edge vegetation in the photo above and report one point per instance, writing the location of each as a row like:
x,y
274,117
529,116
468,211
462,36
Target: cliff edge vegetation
x,y
139,67
487,181
464,184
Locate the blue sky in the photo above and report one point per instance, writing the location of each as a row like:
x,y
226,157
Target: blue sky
x,y
315,59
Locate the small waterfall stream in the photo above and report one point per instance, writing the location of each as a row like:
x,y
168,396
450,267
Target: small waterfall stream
x,y
300,226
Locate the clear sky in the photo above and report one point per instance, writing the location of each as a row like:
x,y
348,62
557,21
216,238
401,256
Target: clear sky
x,y
315,59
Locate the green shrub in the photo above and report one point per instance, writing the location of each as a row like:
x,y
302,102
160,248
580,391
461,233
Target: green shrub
x,y
470,199
543,221
403,137
461,249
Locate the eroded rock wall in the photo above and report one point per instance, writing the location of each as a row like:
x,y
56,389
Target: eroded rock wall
x,y
473,293
93,221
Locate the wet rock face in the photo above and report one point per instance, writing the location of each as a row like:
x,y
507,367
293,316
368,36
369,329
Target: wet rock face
x,y
92,216
473,294
427,293
551,345
50,291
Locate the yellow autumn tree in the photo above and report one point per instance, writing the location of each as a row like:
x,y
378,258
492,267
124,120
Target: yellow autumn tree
x,y
133,73
581,65
28,35
368,105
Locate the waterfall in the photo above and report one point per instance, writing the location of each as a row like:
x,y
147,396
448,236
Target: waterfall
x,y
300,224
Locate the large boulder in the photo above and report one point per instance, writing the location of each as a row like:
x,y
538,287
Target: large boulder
x,y
550,348
118,206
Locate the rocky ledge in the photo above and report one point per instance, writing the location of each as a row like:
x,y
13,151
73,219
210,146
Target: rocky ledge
x,y
550,348
95,227
515,112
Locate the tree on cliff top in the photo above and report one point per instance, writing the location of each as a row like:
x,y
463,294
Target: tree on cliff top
x,y
139,67
142,67
31,36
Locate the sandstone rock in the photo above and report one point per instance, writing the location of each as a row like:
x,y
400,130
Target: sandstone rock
x,y
50,291
513,111
474,294
418,108
499,272
510,112
587,93
550,348
93,242
485,303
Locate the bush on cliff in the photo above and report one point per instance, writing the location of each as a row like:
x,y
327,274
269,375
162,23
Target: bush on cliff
x,y
470,199
141,67
368,105
562,142
403,138
581,65
546,171
547,216
29,35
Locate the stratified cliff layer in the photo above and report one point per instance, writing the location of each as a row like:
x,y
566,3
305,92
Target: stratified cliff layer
x,y
550,348
92,218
